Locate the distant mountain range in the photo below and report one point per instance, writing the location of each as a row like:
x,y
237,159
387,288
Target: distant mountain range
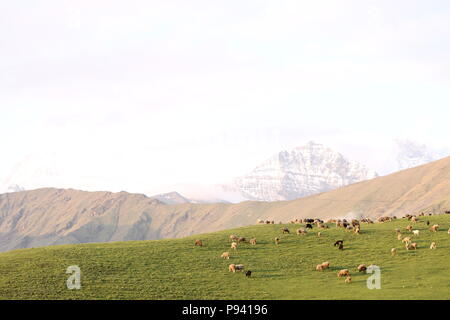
x,y
63,216
171,198
412,154
301,172
287,175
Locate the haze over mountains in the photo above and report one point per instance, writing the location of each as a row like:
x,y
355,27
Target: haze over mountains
x,y
301,172
58,216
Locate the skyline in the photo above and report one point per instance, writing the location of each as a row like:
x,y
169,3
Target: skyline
x,y
148,96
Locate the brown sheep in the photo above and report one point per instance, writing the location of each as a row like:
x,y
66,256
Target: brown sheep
x,y
253,242
409,228
434,228
433,245
343,273
198,243
241,239
285,230
319,267
406,240
301,231
399,236
233,237
232,268
348,279
234,245
225,255
412,246
362,268
325,265
393,251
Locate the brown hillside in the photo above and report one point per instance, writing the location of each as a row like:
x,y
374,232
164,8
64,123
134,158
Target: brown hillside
x,y
55,216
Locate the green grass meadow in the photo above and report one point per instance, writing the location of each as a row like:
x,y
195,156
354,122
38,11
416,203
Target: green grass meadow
x,y
176,269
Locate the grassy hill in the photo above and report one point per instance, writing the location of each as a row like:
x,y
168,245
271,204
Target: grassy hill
x,y
175,269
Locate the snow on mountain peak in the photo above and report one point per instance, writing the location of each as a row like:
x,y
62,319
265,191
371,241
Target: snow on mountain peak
x,y
412,154
303,171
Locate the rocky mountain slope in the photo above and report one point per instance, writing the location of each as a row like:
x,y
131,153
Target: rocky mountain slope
x,y
171,198
412,154
59,216
301,172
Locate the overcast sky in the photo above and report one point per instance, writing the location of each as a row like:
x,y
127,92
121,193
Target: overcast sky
x,y
146,96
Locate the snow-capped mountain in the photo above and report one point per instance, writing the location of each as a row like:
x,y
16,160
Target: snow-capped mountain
x,y
171,198
13,188
412,154
301,172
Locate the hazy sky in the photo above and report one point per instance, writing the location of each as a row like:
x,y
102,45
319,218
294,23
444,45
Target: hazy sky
x,y
146,96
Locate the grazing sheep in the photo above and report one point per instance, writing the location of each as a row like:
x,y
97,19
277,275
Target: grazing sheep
x,y
253,242
409,228
406,240
362,268
301,231
242,239
412,246
234,245
433,245
259,221
198,243
277,241
428,223
434,228
285,230
308,226
233,238
239,267
414,219
357,230
341,247
339,242
343,273
399,236
248,274
225,255
325,265
416,232
393,251
235,267
319,267
348,279
397,230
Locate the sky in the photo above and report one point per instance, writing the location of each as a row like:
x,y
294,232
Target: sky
x,y
154,96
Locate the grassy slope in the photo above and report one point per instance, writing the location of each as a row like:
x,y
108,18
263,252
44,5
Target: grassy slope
x,y
175,269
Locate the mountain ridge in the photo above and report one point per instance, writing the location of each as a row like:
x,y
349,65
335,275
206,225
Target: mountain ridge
x,y
65,216
302,171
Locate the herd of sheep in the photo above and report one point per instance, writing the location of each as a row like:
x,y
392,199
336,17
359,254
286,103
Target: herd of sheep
x,y
351,226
